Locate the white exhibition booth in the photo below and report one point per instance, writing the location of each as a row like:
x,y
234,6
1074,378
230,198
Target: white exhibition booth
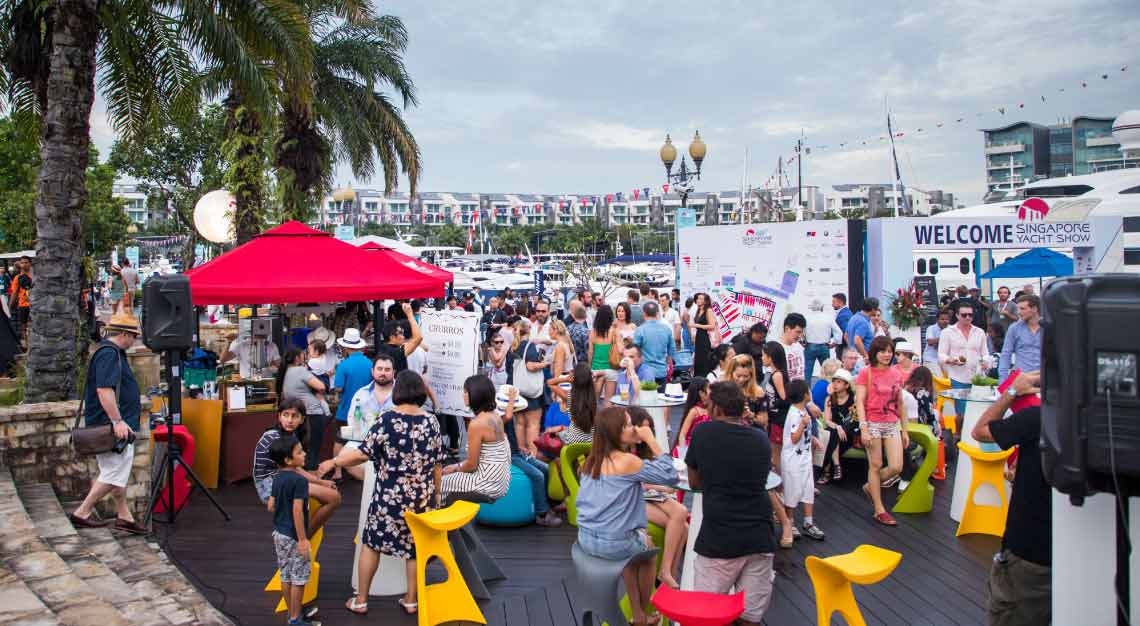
x,y
759,272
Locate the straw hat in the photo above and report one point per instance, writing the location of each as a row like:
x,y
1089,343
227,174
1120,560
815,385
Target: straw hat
x,y
352,340
124,322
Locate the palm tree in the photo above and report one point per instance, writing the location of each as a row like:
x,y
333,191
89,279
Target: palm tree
x,y
349,119
141,53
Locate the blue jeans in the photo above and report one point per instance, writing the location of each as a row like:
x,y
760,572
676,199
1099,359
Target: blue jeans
x,y
536,471
813,352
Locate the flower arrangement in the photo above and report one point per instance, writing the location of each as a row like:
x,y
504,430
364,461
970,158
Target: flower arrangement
x,y
906,307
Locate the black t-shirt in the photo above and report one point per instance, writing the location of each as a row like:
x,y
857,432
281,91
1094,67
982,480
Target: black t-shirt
x,y
733,461
396,353
1029,526
287,487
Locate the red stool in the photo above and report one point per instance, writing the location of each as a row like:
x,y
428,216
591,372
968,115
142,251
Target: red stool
x,y
185,443
698,608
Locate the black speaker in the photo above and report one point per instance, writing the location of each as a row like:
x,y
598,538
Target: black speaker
x,y
168,315
1090,413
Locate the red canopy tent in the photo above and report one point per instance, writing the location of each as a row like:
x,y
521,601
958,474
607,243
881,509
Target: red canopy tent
x,y
391,256
295,263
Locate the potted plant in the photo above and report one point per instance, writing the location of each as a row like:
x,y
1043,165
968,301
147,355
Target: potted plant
x,y
906,307
983,386
648,391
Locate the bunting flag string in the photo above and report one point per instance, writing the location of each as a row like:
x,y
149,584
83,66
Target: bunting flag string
x,y
158,242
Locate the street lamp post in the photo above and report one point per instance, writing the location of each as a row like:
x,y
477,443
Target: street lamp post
x,y
683,182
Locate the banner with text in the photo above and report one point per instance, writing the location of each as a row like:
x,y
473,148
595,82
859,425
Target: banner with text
x,y
999,233
452,342
761,272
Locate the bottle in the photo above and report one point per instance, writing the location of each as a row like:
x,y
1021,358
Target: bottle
x,y
358,420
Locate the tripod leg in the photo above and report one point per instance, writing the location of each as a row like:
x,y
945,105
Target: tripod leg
x,y
156,491
197,483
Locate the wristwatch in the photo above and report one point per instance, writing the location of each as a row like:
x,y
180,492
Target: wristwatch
x,y
1011,392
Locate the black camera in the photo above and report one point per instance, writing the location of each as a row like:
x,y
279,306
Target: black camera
x,y
1090,413
121,444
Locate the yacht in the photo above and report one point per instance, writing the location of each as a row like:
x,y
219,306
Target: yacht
x,y
1070,198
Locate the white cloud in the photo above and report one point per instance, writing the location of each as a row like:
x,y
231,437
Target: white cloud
x,y
614,136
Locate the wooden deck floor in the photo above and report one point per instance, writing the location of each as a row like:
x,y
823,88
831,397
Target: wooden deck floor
x,y
940,582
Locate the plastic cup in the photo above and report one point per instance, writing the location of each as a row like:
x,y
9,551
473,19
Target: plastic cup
x,y
623,391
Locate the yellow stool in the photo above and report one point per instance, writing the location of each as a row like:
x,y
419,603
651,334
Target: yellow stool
x,y
451,600
831,579
988,468
949,422
310,595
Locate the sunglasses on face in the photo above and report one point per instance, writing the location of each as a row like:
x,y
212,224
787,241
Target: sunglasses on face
x,y
965,315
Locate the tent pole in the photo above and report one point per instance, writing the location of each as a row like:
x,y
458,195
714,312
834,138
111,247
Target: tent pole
x,y
377,325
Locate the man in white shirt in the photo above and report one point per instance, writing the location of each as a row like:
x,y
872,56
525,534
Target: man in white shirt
x,y
821,334
540,329
933,333
242,348
961,348
670,317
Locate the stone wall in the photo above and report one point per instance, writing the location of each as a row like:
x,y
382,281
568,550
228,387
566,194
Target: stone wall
x,y
35,444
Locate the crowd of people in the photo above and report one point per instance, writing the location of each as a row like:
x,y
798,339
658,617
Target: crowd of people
x,y
759,412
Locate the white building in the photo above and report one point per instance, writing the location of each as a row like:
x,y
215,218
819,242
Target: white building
x,y
882,200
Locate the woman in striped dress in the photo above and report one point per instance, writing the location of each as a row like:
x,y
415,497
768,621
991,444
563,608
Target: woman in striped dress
x,y
487,469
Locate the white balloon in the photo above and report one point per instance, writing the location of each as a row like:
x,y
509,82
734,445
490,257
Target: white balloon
x,y
214,216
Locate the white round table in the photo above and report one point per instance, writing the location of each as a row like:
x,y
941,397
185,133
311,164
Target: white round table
x,y
657,408
696,516
963,472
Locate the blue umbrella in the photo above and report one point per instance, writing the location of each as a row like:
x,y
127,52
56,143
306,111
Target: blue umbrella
x,y
1035,263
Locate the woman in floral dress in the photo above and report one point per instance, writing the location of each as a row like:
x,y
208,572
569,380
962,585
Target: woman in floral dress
x,y
406,448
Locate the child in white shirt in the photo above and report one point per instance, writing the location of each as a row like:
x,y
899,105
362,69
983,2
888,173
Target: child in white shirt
x,y
795,459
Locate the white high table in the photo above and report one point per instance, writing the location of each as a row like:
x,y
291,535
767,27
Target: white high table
x,y
964,472
658,409
390,579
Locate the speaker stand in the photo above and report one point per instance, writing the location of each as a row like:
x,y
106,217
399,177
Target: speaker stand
x,y
173,451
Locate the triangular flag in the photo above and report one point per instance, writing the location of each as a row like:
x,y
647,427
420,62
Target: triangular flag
x,y
636,193
609,198
665,187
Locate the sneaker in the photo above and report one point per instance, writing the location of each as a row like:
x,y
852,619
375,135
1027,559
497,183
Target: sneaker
x,y
903,484
303,622
891,482
813,531
548,519
309,612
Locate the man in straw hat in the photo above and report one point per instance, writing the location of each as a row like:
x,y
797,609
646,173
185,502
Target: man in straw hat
x,y
111,395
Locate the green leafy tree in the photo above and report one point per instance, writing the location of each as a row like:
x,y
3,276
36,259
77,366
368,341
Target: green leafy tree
x,y
378,230
176,165
141,52
511,240
104,221
448,235
349,119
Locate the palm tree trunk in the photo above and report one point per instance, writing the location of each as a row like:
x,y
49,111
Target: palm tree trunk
x,y
60,200
303,161
243,151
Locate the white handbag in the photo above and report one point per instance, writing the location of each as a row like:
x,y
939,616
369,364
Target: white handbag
x,y
528,383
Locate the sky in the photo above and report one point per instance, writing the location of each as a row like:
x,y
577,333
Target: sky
x,y
576,97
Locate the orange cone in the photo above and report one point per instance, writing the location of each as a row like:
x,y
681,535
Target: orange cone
x,y
940,470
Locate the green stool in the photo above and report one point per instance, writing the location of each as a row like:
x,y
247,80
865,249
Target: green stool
x,y
570,458
554,489
918,497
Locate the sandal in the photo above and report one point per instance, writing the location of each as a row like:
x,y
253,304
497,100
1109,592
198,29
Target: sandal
x,y
353,607
409,607
885,519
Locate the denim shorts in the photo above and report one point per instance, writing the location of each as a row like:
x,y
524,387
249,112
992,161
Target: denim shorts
x,y
613,547
264,488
